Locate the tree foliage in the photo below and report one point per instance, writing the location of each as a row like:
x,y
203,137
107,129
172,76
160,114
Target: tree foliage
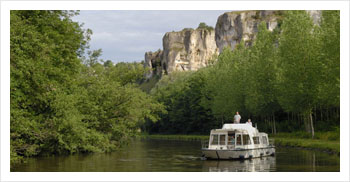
x,y
204,26
62,102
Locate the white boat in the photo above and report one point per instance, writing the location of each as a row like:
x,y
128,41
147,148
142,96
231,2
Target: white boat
x,y
237,141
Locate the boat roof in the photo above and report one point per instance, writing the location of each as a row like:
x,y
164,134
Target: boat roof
x,y
240,127
244,126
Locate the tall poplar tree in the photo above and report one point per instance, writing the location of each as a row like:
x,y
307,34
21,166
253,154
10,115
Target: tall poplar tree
x,y
261,90
300,63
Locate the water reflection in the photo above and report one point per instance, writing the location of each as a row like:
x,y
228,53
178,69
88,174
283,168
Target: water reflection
x,y
296,160
252,165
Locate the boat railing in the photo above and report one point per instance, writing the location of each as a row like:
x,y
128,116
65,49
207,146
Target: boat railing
x,y
205,144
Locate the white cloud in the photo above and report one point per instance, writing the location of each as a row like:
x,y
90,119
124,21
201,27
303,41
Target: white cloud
x,y
102,36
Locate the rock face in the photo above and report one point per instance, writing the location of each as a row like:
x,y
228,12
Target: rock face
x,y
191,49
315,15
153,60
232,27
188,49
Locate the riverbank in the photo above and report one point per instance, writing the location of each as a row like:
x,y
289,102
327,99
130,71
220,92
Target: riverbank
x,y
175,137
282,140
332,147
324,141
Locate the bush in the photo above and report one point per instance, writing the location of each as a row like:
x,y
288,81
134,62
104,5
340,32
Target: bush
x,y
204,26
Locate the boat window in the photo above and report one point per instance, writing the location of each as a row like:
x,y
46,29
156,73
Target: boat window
x,y
231,139
222,139
246,140
264,140
239,139
256,140
215,139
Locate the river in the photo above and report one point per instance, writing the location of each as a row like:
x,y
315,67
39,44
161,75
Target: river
x,y
154,155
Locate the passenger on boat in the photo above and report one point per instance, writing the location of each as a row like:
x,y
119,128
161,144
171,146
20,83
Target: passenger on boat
x,y
237,118
250,122
231,139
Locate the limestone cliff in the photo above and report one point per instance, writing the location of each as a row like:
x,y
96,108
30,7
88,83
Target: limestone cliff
x,y
315,15
232,27
153,61
191,49
188,49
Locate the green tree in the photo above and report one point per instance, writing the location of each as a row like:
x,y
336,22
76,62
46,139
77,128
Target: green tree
x,y
58,104
169,91
330,58
112,104
226,85
203,25
261,91
126,73
300,63
181,93
108,63
45,46
93,57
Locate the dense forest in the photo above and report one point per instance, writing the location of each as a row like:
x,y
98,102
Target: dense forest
x,y
65,100
287,80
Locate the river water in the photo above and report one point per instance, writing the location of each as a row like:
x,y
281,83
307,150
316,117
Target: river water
x,y
154,155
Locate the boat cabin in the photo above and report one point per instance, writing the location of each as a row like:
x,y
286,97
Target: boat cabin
x,y
237,136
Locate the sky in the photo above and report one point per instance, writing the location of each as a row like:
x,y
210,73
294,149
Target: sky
x,y
125,36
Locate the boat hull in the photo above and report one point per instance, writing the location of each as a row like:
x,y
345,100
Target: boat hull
x,y
237,154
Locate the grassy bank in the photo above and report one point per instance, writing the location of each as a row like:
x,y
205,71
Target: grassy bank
x,y
322,145
176,137
297,139
323,141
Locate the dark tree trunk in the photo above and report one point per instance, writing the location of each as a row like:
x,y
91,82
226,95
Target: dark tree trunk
x,y
315,111
307,122
321,112
274,123
222,120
